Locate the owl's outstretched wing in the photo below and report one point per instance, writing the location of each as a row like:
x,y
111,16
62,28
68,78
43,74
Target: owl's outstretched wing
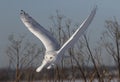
x,y
45,36
78,32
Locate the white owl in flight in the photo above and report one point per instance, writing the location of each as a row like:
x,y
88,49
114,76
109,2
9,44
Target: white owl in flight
x,y
53,50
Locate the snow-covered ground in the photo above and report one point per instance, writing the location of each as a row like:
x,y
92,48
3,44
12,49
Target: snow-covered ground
x,y
105,80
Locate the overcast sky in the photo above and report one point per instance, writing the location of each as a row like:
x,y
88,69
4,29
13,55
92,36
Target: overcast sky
x,y
41,10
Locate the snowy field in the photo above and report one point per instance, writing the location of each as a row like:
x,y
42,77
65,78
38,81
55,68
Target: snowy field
x,y
105,80
114,80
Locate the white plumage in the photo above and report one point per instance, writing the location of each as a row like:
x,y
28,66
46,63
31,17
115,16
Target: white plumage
x,y
52,47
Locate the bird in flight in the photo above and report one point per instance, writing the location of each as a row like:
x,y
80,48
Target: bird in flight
x,y
53,50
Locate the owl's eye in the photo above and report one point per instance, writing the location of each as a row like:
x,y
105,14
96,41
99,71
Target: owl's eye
x,y
51,57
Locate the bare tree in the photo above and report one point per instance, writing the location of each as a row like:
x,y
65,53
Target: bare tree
x,y
64,29
93,59
57,22
21,54
111,40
